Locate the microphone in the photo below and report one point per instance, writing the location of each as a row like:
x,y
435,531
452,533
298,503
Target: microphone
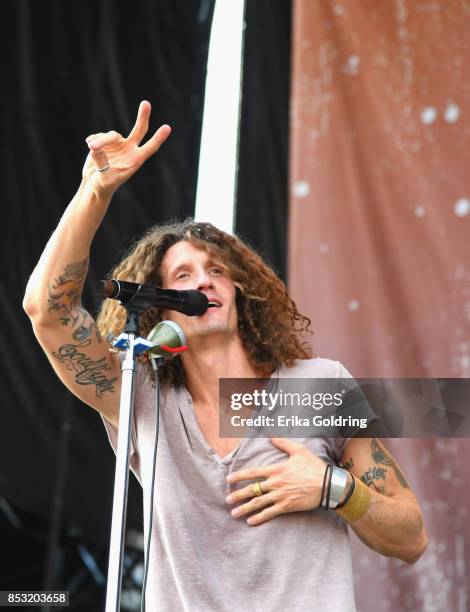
x,y
191,302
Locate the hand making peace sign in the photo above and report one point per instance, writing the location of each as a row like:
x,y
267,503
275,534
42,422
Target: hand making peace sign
x,y
113,159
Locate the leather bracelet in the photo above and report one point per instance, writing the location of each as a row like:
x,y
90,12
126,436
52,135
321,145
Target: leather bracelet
x,y
328,465
327,503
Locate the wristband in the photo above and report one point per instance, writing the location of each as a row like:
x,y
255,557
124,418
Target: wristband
x,y
339,482
358,504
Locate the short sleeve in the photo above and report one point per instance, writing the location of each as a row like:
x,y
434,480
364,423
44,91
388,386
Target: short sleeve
x,y
356,406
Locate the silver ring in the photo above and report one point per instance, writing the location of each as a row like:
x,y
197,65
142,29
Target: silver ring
x,y
103,169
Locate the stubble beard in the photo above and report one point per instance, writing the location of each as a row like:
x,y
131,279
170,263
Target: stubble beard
x,y
203,330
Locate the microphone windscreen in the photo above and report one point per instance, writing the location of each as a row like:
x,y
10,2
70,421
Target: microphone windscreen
x,y
107,288
165,333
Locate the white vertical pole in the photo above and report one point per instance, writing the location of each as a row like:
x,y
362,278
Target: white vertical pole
x,y
218,158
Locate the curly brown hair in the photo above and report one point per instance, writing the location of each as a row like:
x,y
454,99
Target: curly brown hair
x,y
270,326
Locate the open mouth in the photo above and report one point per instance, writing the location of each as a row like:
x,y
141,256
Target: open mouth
x,y
214,304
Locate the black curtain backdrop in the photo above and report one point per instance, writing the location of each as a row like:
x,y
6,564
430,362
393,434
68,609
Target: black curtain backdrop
x,y
261,214
71,69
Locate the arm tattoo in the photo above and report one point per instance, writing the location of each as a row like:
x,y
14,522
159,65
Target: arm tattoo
x,y
84,330
87,326
379,455
381,489
64,298
348,465
65,291
87,371
372,474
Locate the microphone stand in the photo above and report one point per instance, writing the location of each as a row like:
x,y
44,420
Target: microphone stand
x,y
133,345
129,340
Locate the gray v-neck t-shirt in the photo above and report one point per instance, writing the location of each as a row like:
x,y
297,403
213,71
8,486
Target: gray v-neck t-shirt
x,y
204,560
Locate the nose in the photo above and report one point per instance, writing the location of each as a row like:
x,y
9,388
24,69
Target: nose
x,y
204,281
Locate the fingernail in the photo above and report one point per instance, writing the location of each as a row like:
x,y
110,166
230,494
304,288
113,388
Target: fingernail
x,y
229,478
229,499
235,512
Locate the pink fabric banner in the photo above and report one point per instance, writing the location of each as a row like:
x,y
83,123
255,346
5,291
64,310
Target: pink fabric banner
x,y
379,230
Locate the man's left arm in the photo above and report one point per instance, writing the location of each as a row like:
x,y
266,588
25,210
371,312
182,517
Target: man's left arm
x,y
393,523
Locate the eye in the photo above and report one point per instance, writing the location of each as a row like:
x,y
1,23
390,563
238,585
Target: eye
x,y
182,275
216,271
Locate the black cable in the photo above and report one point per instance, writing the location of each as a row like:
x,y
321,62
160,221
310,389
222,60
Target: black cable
x,y
150,522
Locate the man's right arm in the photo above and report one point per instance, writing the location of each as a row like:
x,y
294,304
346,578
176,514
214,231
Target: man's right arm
x,y
65,330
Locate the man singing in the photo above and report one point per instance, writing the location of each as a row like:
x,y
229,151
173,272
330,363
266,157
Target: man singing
x,y
239,523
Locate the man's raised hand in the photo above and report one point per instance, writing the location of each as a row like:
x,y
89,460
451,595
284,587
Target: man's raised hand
x,y
113,159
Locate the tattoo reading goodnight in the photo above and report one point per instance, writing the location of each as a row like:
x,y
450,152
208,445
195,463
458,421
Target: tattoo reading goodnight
x,y
64,298
87,371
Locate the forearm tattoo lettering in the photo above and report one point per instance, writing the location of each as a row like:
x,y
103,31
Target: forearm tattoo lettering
x,y
87,371
381,457
64,298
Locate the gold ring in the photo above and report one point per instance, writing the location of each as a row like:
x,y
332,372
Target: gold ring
x,y
257,490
